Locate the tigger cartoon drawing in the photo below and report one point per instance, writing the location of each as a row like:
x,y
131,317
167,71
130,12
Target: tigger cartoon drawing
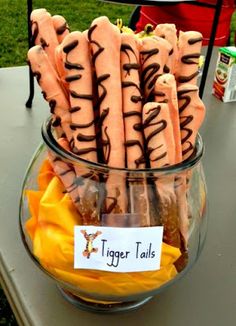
x,y
89,245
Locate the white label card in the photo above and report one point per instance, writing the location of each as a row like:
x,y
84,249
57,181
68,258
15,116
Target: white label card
x,y
117,249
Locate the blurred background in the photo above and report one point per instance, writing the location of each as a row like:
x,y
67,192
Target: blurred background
x,y
78,13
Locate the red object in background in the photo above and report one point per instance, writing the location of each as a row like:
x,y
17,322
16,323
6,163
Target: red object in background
x,y
187,16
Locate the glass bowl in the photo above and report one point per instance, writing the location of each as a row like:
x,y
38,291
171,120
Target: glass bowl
x,y
111,238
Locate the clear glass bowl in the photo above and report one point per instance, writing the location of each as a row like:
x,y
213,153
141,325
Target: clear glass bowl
x,y
173,196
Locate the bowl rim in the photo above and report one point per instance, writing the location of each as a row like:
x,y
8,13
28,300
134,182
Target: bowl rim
x,y
52,144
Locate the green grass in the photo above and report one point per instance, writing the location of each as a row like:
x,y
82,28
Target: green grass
x,y
233,29
78,13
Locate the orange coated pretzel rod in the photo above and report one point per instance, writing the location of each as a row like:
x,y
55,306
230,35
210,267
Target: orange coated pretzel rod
x,y
60,69
106,59
169,33
132,101
132,113
43,32
61,27
189,47
165,91
192,113
160,144
78,74
154,53
51,88
66,173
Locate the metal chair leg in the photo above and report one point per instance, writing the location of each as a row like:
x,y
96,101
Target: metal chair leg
x,y
210,46
28,103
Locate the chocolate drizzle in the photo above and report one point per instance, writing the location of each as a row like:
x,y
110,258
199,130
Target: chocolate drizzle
x,y
61,29
35,32
69,47
159,93
74,109
134,98
113,207
149,73
43,43
130,53
71,65
132,113
149,76
192,41
69,79
126,48
128,66
106,146
146,54
62,174
185,120
171,51
105,141
166,69
74,126
82,137
100,48
74,94
141,159
186,79
57,122
189,58
37,74
152,114
52,104
83,151
99,81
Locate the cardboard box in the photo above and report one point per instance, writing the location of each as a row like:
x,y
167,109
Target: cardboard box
x,y
224,85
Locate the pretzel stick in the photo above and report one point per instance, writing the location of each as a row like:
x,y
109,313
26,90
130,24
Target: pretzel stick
x,y
78,75
43,32
106,59
154,52
169,33
61,27
161,149
189,46
165,91
52,89
134,143
192,113
65,171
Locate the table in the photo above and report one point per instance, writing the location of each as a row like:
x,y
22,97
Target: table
x,y
205,296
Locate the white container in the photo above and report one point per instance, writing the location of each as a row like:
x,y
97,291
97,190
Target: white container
x,y
224,85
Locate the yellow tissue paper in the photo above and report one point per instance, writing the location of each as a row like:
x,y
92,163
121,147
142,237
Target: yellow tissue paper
x,y
51,229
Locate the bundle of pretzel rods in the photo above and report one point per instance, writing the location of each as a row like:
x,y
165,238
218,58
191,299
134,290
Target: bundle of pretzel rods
x,y
127,101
